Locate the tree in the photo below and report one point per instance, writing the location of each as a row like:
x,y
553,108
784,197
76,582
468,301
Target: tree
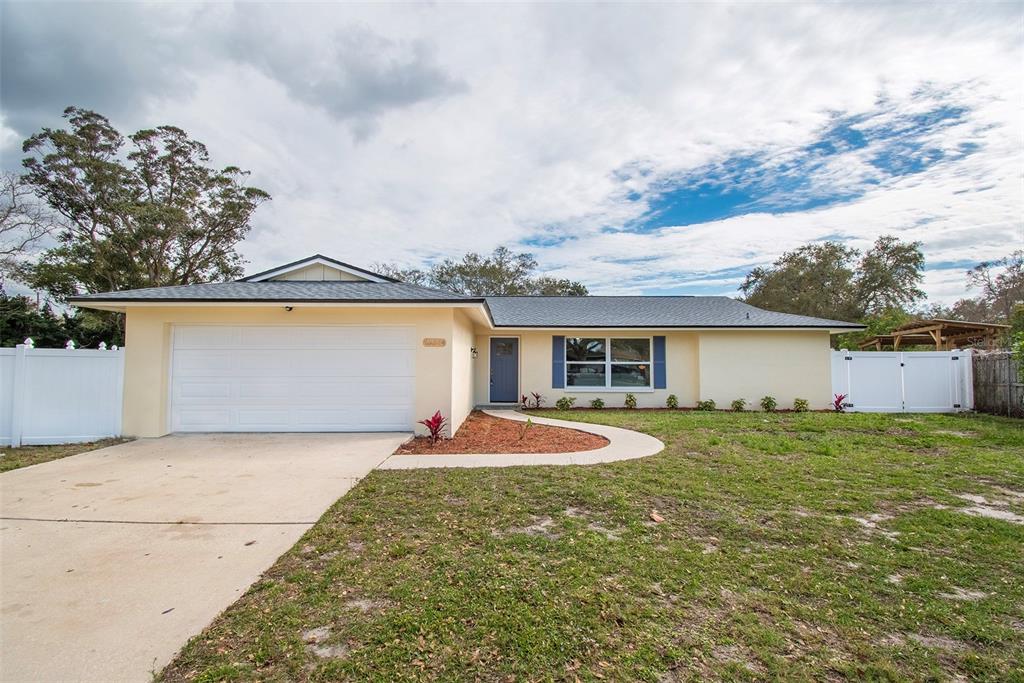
x,y
889,275
146,211
503,273
21,318
23,222
829,280
1001,283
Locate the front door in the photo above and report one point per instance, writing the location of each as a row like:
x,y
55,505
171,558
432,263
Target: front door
x,y
504,370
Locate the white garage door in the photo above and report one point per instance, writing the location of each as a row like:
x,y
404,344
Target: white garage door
x,y
292,379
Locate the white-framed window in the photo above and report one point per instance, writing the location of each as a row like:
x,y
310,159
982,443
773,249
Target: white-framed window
x,y
600,363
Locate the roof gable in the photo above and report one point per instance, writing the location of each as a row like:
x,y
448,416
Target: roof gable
x,y
317,268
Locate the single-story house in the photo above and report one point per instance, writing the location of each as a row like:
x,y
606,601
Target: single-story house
x,y
321,345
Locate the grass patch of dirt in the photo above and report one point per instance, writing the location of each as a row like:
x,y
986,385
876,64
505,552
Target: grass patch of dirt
x,y
14,458
483,433
790,547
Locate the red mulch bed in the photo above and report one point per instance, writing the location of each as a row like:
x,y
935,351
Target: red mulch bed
x,y
481,433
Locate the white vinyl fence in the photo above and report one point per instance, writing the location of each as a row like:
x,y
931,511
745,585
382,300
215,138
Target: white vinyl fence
x,y
59,395
909,382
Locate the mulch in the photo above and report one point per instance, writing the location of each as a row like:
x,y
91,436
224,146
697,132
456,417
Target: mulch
x,y
482,433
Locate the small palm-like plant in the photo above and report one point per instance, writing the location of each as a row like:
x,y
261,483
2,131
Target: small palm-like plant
x,y
434,425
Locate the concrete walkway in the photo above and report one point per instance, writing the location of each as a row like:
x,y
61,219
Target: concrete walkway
x,y
111,560
623,444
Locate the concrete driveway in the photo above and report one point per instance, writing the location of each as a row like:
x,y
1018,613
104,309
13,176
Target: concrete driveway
x,y
111,560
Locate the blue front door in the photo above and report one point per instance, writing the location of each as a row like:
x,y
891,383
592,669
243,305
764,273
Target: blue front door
x,y
504,370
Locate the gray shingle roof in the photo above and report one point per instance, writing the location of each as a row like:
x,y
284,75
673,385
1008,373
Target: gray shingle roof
x,y
506,311
642,311
282,290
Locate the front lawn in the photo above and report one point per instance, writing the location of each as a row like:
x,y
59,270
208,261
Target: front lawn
x,y
13,458
796,546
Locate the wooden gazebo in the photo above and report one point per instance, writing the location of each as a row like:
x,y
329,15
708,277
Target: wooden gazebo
x,y
940,333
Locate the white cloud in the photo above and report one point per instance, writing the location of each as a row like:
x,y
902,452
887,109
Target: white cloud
x,y
484,125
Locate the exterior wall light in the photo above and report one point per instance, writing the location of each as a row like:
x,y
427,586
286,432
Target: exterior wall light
x,y
472,352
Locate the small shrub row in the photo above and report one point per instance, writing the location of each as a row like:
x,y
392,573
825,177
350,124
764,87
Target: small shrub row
x,y
768,403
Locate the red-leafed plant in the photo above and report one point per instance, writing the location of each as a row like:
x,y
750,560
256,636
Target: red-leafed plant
x,y
434,425
535,403
838,403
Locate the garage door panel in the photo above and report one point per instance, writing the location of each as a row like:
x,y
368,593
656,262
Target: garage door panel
x,y
320,378
200,390
200,419
206,337
202,363
262,418
249,391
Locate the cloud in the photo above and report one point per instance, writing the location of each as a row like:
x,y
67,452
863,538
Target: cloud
x,y
668,150
110,57
354,74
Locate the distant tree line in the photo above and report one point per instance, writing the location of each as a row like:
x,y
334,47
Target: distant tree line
x,y
503,273
881,287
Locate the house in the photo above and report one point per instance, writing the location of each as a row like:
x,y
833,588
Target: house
x,y
321,345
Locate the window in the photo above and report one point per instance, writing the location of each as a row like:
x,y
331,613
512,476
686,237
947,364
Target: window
x,y
607,362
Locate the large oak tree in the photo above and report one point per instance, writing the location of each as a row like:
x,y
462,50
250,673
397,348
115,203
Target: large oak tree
x,y
830,280
143,211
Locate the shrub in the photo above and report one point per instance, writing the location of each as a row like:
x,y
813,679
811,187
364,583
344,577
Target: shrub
x,y
769,404
631,400
565,403
800,405
597,404
838,404
672,401
739,405
434,425
706,405
525,428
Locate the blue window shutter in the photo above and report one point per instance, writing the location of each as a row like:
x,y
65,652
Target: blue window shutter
x,y
659,363
558,362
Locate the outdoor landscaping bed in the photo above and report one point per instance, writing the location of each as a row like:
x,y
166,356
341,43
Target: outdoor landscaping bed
x,y
483,433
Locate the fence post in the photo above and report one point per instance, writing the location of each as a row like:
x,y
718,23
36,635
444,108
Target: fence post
x,y
18,387
1010,376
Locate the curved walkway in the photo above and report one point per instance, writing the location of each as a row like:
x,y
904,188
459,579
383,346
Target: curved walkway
x,y
623,444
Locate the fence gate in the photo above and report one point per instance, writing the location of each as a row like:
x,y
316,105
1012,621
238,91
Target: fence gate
x,y
911,382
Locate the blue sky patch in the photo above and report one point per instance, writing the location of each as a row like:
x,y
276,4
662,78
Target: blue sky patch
x,y
784,181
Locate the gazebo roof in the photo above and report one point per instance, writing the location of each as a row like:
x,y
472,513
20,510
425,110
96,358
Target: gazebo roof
x,y
940,332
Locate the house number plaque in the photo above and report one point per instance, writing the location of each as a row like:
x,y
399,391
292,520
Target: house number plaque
x,y
436,342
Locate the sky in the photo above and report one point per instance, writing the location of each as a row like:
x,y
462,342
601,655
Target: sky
x,y
640,149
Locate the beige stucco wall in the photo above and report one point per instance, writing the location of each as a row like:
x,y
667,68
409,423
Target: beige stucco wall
x,y
535,368
148,352
463,366
720,365
756,363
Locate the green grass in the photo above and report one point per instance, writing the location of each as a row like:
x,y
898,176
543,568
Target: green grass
x,y
758,571
13,458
